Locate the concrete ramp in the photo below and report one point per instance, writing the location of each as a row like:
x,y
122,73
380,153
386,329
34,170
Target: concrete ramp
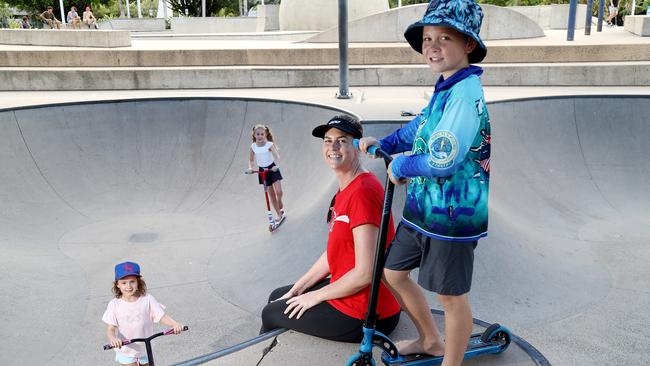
x,y
389,26
161,182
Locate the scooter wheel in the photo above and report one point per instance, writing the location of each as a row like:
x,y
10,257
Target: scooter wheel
x,y
496,333
361,360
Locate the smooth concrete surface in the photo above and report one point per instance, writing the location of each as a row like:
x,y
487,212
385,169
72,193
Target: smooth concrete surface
x,y
554,16
314,351
565,262
638,24
389,26
323,14
613,44
282,54
295,36
135,24
373,103
65,37
201,77
185,25
612,58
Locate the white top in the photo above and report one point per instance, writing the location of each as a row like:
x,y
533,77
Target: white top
x,y
133,320
263,155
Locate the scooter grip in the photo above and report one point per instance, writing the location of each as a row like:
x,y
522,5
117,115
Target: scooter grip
x,y
374,150
171,330
124,343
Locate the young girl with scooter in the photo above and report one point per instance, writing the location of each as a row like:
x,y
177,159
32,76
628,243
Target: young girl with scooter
x,y
131,314
265,154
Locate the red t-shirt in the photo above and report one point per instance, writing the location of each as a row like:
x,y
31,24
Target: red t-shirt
x,y
361,202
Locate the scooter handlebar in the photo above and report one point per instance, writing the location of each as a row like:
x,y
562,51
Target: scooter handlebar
x,y
375,150
129,341
257,171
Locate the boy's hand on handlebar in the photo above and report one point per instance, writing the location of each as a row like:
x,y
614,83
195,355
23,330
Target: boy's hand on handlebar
x,y
366,142
275,169
396,181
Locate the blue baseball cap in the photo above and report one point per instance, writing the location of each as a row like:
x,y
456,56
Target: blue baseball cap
x,y
126,269
465,16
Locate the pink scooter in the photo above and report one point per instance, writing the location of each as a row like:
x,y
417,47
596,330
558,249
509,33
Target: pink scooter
x,y
273,225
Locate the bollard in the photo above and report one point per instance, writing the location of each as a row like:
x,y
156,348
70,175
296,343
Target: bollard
x,y
601,14
571,28
343,93
590,9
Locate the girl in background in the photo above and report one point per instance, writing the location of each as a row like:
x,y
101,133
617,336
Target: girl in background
x,y
265,154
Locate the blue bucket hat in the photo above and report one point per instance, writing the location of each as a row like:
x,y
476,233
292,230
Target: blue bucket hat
x,y
464,16
126,269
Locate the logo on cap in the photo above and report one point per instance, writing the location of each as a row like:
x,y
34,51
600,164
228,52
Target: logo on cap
x,y
126,269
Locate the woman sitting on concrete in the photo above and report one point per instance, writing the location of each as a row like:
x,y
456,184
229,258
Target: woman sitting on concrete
x,y
331,298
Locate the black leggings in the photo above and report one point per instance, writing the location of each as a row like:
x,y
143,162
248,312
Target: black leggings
x,y
323,320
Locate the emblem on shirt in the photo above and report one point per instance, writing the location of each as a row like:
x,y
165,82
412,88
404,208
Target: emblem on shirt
x,y
443,148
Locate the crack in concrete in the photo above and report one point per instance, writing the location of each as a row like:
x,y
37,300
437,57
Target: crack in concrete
x,y
268,349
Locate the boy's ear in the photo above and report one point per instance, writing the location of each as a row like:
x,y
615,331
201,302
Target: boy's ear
x,y
470,45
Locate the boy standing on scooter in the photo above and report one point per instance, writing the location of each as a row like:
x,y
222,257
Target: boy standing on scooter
x,y
446,209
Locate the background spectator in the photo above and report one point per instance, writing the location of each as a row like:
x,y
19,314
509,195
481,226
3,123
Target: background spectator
x,y
50,19
89,18
73,18
25,23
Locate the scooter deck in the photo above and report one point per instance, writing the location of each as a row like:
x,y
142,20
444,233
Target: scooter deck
x,y
476,346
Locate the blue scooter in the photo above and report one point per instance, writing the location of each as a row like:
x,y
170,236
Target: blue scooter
x,y
495,339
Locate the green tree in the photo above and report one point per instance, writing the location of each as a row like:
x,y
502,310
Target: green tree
x,y
212,7
5,16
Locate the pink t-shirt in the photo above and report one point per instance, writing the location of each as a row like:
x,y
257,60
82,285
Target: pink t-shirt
x,y
134,320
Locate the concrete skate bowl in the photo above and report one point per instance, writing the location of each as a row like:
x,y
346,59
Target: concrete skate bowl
x,y
160,182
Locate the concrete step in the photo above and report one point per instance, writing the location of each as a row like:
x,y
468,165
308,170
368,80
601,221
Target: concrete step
x,y
305,55
208,77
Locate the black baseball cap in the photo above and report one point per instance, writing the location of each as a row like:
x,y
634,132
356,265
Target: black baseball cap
x,y
342,122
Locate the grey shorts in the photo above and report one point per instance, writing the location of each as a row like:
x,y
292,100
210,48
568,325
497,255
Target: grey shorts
x,y
445,266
